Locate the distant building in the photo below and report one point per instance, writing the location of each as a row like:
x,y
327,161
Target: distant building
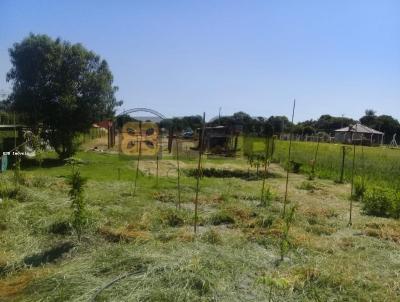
x,y
10,136
359,134
221,140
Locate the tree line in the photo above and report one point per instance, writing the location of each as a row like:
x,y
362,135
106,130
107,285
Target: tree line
x,y
324,125
60,89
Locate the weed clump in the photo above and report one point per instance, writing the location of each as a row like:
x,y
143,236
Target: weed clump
x,y
173,218
308,186
221,217
265,221
359,189
212,236
61,228
164,197
7,191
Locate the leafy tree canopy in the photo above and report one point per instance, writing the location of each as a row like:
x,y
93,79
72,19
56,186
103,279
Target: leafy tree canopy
x,y
61,87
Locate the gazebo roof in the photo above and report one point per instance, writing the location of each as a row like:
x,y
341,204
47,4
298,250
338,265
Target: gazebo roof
x,y
359,128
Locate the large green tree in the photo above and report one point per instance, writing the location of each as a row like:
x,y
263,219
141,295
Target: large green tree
x,y
60,87
385,123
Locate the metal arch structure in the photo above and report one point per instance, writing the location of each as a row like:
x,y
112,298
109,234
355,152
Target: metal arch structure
x,y
111,129
156,113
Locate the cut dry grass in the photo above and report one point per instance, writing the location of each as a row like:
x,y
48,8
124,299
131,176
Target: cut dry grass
x,y
232,257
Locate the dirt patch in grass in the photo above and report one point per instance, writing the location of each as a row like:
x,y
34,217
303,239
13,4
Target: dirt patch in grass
x,y
383,231
320,229
318,212
123,234
165,167
11,287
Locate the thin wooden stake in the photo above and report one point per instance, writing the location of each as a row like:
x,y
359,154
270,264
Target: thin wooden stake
x,y
15,132
266,164
342,166
288,164
352,184
198,172
138,161
179,174
362,167
159,143
315,160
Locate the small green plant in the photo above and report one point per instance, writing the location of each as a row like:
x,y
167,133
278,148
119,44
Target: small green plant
x,y
285,241
274,284
265,221
79,215
17,171
359,189
266,197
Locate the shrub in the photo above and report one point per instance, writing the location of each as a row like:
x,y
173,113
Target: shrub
x,y
382,202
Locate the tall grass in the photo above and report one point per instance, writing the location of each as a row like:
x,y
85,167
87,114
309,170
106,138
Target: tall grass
x,y
381,165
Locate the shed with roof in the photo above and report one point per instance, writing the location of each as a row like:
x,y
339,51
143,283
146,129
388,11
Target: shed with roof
x,y
359,134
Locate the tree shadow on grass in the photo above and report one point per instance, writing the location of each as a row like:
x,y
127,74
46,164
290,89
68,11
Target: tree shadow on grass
x,y
48,256
31,164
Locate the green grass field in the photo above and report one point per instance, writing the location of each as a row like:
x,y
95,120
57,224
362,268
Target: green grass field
x,y
378,165
149,249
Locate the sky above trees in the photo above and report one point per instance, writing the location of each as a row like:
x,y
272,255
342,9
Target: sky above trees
x,y
186,57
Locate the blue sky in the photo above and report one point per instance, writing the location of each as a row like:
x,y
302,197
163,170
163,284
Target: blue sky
x,y
186,57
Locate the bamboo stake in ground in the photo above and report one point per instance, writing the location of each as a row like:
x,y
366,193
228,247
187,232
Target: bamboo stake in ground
x,y
352,184
138,160
342,166
201,141
288,163
362,168
266,164
159,143
312,176
179,174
